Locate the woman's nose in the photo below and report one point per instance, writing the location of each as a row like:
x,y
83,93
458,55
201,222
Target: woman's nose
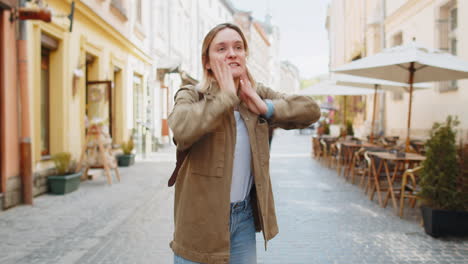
x,y
231,53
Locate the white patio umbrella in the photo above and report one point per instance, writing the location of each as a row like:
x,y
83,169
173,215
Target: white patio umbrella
x,y
329,87
410,64
376,84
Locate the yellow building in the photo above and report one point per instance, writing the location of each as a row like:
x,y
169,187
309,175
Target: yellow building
x,y
98,72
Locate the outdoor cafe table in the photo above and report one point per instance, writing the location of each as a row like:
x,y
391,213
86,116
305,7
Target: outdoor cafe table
x,y
348,148
410,159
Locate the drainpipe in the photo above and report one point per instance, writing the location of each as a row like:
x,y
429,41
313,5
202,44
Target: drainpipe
x,y
25,141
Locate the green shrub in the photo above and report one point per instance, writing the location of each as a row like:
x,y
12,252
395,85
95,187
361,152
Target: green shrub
x,y
439,176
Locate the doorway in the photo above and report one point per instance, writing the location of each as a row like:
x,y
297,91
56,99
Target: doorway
x,y
139,129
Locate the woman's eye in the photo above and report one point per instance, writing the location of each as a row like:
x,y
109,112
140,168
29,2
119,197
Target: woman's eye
x,y
239,47
221,49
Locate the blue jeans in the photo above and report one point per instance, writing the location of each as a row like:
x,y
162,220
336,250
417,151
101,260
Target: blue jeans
x,y
242,228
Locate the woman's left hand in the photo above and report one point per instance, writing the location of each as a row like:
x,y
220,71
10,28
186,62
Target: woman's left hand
x,y
250,97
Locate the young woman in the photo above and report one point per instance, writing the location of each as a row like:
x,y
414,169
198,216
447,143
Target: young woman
x,y
223,191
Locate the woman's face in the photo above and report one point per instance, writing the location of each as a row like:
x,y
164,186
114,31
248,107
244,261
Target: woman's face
x,y
228,47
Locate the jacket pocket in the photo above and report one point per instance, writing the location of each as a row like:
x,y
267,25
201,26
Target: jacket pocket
x,y
207,155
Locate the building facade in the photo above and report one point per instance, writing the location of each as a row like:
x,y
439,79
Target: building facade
x,y
361,28
100,72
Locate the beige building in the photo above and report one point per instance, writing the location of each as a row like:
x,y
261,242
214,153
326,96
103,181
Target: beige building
x,y
263,38
289,78
359,28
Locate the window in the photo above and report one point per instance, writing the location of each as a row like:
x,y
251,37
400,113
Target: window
x,y
447,38
397,40
119,5
453,18
139,13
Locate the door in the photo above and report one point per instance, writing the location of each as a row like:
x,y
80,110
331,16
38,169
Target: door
x,y
138,117
45,103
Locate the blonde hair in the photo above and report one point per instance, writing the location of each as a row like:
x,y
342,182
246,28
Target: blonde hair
x,y
208,75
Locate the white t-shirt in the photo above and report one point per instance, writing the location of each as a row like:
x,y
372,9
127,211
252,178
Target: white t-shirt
x,y
241,172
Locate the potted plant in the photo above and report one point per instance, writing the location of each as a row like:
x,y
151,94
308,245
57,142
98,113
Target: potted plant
x,y
67,179
445,205
127,158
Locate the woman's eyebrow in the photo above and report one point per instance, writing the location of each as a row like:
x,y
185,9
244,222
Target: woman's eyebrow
x,y
224,43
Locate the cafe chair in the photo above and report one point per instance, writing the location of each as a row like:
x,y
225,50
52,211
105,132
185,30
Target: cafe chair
x,y
316,148
324,151
359,165
409,188
335,155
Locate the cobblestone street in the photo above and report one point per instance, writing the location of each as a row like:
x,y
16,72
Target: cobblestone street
x,y
322,219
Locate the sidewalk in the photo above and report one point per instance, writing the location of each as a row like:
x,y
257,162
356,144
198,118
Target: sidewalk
x,y
322,219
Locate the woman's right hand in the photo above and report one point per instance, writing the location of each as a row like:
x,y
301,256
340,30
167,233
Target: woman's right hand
x,y
223,75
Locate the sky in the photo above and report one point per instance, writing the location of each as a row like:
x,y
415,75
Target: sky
x,y
304,39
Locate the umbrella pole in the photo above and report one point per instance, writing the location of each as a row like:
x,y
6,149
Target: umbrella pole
x,y
344,114
411,80
373,114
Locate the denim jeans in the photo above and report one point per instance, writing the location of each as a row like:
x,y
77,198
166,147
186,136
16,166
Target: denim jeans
x,y
242,228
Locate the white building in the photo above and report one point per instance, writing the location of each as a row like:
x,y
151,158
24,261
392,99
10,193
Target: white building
x,y
263,38
289,78
177,32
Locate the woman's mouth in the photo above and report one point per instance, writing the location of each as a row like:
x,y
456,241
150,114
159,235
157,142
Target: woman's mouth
x,y
234,64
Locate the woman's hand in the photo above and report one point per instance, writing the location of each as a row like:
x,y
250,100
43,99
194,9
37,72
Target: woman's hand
x,y
223,75
250,97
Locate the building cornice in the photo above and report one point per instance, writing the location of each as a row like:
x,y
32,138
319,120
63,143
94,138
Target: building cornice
x,y
406,11
85,11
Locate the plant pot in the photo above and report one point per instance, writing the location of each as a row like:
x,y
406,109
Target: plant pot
x,y
439,223
62,184
125,160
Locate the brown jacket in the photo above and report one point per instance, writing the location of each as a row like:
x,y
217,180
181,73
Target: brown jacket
x,y
202,190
